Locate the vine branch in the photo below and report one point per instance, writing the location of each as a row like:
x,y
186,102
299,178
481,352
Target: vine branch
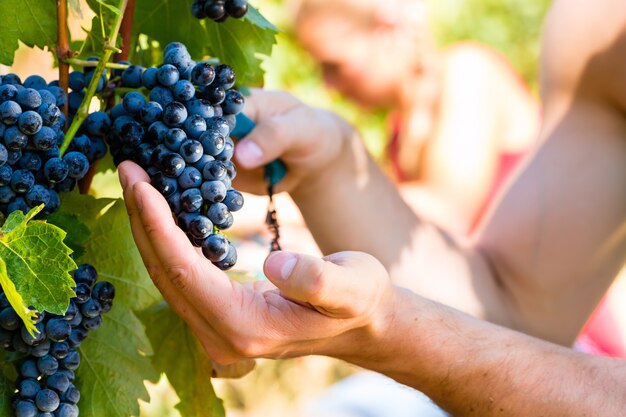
x,y
63,51
126,31
83,110
85,63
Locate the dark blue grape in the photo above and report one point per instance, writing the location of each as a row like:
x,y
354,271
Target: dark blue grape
x,y
218,124
174,138
200,227
212,142
143,155
229,261
66,410
86,274
224,76
184,91
18,204
213,191
174,202
178,57
15,140
149,78
54,202
158,154
133,102
174,45
202,74
236,8
197,9
165,185
47,365
202,108
82,144
202,162
58,329
55,170
157,132
22,180
118,72
36,82
14,154
91,308
6,194
77,337
101,82
234,200
218,213
131,134
28,388
30,161
161,95
59,95
26,408
173,165
92,323
151,112
8,92
4,154
215,10
77,164
71,395
45,139
191,151
47,400
98,123
58,382
174,114
78,317
28,369
83,293
50,114
190,178
168,75
228,151
191,200
37,195
77,80
215,247
215,94
10,112
59,350
5,175
29,98
194,126
215,171
71,361
74,100
233,102
118,111
9,320
131,77
41,350
47,99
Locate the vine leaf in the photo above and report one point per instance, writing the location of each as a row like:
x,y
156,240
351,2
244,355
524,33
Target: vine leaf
x,y
32,22
178,354
37,263
77,232
15,299
114,365
105,13
240,43
111,249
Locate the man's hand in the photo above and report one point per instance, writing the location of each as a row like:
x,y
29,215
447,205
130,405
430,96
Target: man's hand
x,y
309,305
310,141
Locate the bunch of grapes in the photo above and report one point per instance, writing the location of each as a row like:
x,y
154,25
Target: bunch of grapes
x,y
32,170
46,375
219,10
181,137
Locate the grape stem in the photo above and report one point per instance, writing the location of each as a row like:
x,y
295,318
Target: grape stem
x,y
63,48
83,110
83,63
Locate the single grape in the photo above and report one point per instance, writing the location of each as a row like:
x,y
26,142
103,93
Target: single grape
x,y
55,170
213,191
58,382
77,164
47,365
132,76
191,200
47,400
236,8
229,261
200,227
28,388
233,200
215,247
168,75
233,102
174,114
59,350
190,178
183,90
174,138
29,99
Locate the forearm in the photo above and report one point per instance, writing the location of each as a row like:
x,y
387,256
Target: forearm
x,y
353,206
474,368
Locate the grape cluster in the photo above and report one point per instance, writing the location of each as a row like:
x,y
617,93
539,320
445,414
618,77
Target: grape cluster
x,y
32,170
181,137
219,10
45,386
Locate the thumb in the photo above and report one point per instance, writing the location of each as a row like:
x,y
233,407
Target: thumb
x,y
342,285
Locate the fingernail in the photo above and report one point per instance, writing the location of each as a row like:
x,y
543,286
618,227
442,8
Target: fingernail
x,y
249,152
288,265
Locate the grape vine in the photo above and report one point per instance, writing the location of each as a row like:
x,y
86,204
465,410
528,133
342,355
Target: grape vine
x,y
163,78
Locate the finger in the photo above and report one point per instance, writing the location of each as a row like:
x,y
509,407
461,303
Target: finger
x,y
343,285
236,370
268,141
261,104
193,275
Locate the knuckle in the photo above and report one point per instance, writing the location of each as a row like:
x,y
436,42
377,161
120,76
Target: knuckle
x,y
314,284
179,276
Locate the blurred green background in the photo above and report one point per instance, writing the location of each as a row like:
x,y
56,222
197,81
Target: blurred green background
x,y
512,27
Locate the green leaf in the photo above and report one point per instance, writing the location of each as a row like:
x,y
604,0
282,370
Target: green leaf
x,y
240,43
106,12
178,354
115,10
114,365
31,21
37,262
16,300
77,232
112,250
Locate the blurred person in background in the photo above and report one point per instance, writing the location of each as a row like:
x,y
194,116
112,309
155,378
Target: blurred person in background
x,y
461,118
